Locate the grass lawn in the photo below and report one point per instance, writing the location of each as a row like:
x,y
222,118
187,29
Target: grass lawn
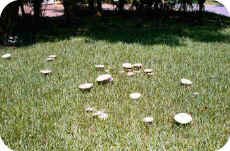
x,y
47,113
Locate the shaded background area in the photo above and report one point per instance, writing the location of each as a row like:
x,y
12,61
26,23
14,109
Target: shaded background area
x,y
131,28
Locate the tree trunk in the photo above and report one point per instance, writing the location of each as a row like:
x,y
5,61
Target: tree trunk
x,y
37,10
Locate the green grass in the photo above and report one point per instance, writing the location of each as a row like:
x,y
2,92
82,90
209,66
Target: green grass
x,y
47,113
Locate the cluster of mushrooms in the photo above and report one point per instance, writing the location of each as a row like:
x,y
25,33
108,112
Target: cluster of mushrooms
x,y
130,70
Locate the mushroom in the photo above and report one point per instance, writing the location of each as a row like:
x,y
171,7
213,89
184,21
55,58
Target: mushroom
x,y
46,71
85,86
52,56
148,120
137,66
101,115
186,82
104,78
135,95
6,56
148,71
50,59
195,94
100,66
127,66
183,118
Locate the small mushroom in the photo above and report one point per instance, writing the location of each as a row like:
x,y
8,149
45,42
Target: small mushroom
x,y
183,118
148,71
137,66
85,86
195,94
100,67
50,59
101,115
127,66
148,120
97,113
6,56
135,96
52,56
186,82
46,71
104,78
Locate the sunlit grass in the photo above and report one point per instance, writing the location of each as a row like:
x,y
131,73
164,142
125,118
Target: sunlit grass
x,y
40,112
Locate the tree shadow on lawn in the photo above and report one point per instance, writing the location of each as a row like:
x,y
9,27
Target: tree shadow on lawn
x,y
170,30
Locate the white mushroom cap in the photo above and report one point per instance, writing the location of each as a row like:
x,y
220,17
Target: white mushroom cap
x,y
195,93
185,82
104,78
100,66
97,113
127,65
148,70
50,59
135,95
183,118
103,116
6,56
46,71
52,56
148,119
85,86
226,147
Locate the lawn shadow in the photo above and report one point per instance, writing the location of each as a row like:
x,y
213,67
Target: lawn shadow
x,y
130,28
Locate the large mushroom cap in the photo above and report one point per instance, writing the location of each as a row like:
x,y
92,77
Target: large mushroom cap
x,y
6,56
85,86
186,82
183,118
104,78
135,95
